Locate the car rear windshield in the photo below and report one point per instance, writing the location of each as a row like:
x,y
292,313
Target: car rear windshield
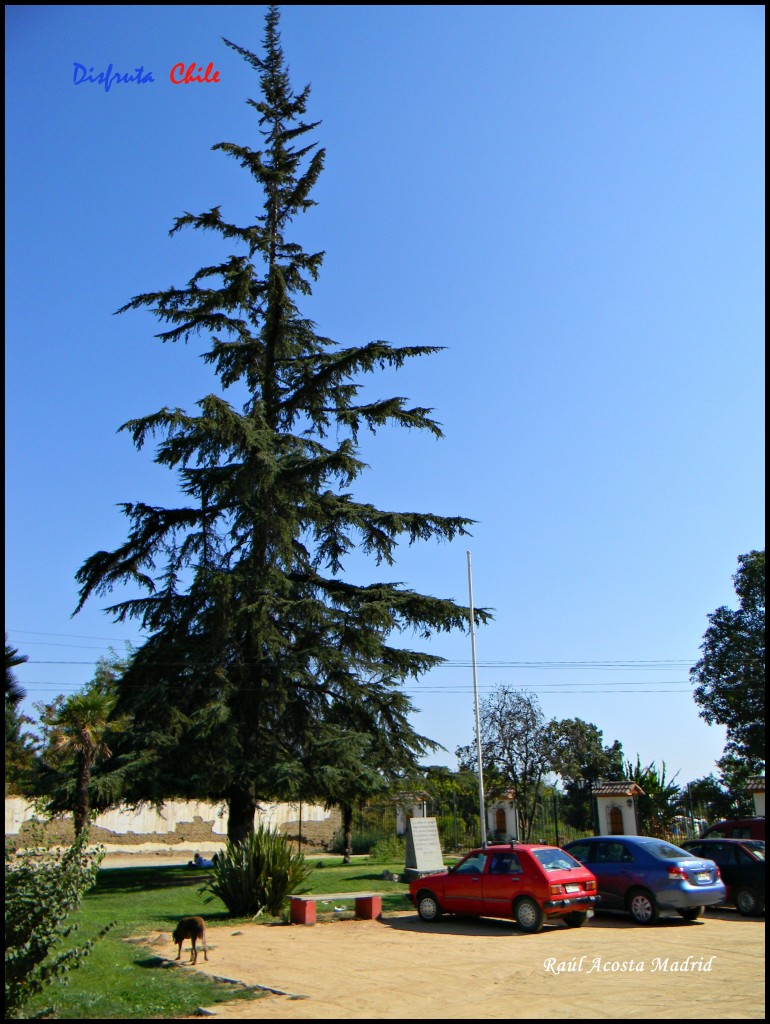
x,y
669,852
556,860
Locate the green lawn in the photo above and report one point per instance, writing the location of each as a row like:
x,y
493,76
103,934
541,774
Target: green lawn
x,y
127,980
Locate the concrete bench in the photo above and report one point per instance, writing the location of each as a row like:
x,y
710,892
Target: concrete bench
x,y
368,905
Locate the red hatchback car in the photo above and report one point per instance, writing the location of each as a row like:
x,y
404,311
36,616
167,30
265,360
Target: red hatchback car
x,y
530,883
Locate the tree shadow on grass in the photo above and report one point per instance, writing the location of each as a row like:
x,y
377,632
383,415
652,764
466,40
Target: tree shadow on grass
x,y
369,876
116,880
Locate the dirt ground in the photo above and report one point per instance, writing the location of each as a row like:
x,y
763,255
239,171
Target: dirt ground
x,y
469,969
458,969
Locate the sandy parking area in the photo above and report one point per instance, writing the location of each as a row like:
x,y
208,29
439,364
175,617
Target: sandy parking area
x,y
456,969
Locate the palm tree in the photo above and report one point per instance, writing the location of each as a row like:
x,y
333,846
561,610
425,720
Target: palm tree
x,y
79,730
14,694
660,803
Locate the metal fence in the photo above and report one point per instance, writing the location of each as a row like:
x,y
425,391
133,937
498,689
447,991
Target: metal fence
x,y
460,832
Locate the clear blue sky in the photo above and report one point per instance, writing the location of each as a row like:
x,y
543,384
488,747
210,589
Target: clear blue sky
x,y
570,199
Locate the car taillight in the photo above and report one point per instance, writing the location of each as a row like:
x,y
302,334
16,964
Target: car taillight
x,y
719,873
589,886
676,872
556,890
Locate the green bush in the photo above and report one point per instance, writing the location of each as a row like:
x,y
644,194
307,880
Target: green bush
x,y
42,889
257,875
361,841
389,850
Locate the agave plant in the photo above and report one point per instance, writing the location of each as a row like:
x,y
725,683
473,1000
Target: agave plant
x,y
257,875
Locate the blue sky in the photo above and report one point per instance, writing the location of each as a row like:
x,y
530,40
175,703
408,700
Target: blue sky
x,y
569,199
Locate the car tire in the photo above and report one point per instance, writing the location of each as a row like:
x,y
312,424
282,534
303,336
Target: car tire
x,y
748,902
428,907
690,913
528,914
643,907
576,920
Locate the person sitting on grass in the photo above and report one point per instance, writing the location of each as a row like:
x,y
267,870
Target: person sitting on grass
x,y
200,862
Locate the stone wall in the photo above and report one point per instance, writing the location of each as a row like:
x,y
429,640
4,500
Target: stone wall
x,y
178,826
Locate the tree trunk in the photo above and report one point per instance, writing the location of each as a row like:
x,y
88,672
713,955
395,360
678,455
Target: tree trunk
x,y
82,804
347,830
241,806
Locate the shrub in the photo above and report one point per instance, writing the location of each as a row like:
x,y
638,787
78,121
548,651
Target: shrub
x,y
256,875
41,890
361,841
388,850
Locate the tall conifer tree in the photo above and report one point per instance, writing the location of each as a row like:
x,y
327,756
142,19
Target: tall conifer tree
x,y
260,654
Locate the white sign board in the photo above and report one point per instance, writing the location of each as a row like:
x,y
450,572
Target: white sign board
x,y
423,848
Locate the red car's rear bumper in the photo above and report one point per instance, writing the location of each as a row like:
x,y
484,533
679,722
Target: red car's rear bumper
x,y
570,903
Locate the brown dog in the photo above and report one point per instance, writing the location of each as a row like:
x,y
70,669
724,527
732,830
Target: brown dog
x,y
191,928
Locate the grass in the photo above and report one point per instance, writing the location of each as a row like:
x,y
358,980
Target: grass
x,y
124,979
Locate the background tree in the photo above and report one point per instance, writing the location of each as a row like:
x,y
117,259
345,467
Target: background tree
x,y
452,792
515,750
75,738
707,798
20,745
734,773
452,797
661,802
352,750
730,676
579,758
81,724
251,626
14,693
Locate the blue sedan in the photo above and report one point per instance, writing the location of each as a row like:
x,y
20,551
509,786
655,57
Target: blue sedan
x,y
644,876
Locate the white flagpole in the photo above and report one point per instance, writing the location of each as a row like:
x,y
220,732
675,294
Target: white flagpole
x,y
482,811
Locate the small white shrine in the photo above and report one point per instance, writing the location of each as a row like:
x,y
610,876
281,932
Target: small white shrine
x,y
756,786
616,808
503,819
410,805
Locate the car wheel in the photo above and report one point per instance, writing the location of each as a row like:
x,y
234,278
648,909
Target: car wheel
x,y
748,902
691,913
529,916
643,908
576,920
428,907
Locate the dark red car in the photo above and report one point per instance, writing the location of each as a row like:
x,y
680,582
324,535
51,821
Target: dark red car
x,y
530,883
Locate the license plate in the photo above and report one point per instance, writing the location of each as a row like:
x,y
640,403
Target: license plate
x,y
572,888
703,876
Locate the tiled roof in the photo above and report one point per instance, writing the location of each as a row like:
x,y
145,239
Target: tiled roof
x,y
756,784
622,788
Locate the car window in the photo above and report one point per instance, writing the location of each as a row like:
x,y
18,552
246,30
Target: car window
x,y
583,851
722,852
472,865
504,864
556,860
756,846
613,853
667,851
696,849
741,833
744,857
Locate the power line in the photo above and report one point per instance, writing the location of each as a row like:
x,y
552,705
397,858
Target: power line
x,y
462,688
624,666
602,664
69,636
